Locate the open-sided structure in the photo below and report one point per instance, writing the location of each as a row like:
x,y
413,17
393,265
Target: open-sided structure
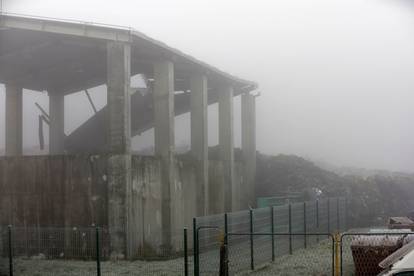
x,y
90,175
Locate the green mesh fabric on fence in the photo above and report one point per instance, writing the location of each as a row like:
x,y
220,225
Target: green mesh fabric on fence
x,y
38,251
262,245
4,268
209,243
323,216
239,246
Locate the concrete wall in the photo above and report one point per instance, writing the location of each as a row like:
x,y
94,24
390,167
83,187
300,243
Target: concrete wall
x,y
53,191
72,191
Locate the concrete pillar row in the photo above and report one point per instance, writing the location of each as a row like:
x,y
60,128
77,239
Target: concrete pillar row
x,y
199,139
248,110
163,102
57,123
121,222
14,120
226,144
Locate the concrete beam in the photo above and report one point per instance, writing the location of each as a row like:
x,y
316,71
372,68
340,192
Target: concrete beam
x,y
120,219
14,120
248,109
73,28
226,144
163,99
57,123
199,139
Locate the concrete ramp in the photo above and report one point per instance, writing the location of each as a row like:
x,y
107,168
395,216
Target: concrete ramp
x,y
90,137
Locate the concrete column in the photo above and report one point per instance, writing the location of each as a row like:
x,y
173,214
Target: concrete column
x,y
119,105
199,139
163,98
57,123
14,120
248,109
226,144
120,221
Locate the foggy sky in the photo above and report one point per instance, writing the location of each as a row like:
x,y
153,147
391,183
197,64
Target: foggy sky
x,y
335,76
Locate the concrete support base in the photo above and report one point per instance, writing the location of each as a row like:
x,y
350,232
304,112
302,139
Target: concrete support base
x,y
57,123
14,120
199,140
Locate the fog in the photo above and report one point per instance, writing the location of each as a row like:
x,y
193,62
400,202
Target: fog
x,y
335,76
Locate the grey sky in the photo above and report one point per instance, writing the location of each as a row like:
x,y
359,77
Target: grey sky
x,y
336,76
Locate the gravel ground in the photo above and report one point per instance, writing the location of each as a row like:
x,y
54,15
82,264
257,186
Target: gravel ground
x,y
3,266
315,261
26,267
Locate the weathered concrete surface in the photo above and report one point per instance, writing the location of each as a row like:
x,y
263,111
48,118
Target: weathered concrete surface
x,y
14,120
199,139
120,220
226,144
163,97
75,191
57,123
119,204
53,191
248,109
119,106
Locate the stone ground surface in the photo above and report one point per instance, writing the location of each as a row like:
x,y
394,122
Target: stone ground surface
x,y
25,267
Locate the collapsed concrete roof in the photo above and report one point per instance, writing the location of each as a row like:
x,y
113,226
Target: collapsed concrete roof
x,y
33,50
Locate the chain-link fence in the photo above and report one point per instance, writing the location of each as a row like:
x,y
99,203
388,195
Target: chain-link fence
x,y
361,253
83,251
4,261
290,229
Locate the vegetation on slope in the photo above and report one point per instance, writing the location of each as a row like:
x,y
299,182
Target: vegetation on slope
x,y
372,198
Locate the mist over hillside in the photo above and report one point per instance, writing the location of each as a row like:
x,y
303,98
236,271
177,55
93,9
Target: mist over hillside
x,y
372,196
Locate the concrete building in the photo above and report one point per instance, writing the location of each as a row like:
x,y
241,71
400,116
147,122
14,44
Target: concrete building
x,y
90,175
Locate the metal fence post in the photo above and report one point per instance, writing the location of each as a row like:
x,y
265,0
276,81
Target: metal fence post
x,y
345,214
338,224
98,253
290,230
195,247
317,219
329,214
226,244
305,244
185,253
338,264
272,229
226,226
10,250
251,240
341,252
